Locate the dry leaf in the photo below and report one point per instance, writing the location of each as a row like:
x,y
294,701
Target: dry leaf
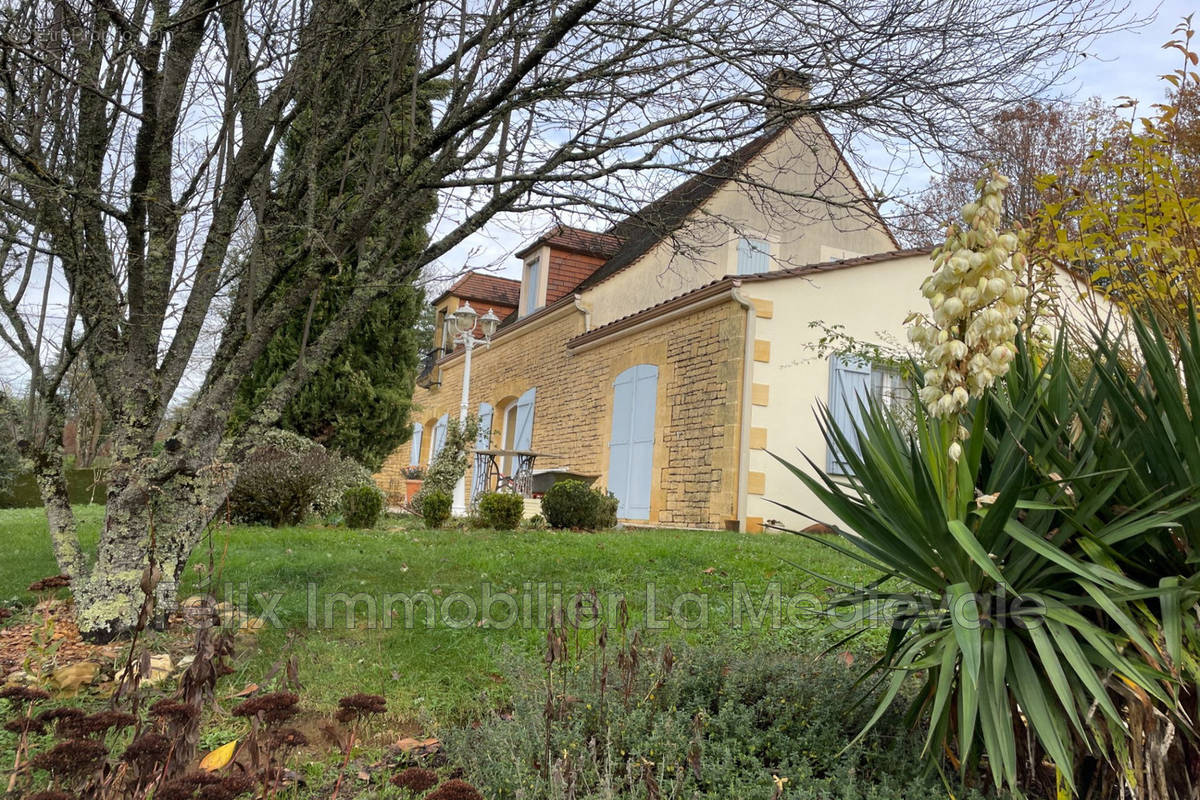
x,y
409,744
219,758
250,689
69,679
156,669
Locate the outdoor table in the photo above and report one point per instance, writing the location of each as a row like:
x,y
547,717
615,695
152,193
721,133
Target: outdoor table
x,y
521,480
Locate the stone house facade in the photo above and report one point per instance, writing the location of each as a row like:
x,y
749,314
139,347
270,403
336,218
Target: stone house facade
x,y
670,356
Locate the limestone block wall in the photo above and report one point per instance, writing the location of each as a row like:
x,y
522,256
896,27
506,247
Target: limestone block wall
x,y
698,409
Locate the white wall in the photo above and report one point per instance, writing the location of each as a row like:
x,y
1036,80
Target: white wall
x,y
871,302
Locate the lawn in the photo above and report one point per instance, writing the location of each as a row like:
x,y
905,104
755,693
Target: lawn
x,y
301,580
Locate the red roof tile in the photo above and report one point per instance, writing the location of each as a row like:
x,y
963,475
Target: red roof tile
x,y
484,289
576,240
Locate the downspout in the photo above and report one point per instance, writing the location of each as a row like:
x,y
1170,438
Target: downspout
x,y
746,405
587,312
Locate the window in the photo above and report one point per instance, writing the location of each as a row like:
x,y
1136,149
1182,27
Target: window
x,y
533,270
448,331
518,428
851,383
483,441
753,256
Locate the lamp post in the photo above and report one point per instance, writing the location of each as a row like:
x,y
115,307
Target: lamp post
x,y
464,323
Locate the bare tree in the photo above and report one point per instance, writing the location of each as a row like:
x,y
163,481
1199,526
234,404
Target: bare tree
x,y
1026,143
142,198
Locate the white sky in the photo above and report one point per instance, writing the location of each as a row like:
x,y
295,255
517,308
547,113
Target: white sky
x,y
1118,66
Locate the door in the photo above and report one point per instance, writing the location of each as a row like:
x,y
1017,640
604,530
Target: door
x,y
631,447
483,441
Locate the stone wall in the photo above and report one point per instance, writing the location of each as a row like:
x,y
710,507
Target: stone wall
x,y
698,410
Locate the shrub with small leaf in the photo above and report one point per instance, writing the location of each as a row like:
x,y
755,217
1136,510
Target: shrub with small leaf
x,y
574,504
435,508
501,510
286,477
634,721
361,506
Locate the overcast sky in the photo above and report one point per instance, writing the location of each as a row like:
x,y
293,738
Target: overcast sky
x,y
1123,65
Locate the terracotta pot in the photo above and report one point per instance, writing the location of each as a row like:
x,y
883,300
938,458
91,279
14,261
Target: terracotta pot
x,y
411,487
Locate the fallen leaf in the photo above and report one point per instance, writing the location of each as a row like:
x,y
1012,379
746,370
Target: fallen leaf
x,y
250,689
160,669
219,758
409,744
710,570
69,679
364,776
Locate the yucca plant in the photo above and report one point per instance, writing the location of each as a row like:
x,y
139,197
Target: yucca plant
x,y
1017,612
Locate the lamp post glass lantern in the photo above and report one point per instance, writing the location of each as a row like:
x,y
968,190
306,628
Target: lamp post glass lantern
x,y
465,319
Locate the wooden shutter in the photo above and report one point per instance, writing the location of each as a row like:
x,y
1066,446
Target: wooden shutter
x,y
483,440
631,446
523,438
849,388
439,436
414,455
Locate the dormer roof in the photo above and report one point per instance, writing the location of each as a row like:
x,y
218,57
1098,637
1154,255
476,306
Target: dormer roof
x,y
484,289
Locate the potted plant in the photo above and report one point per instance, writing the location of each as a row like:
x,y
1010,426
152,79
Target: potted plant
x,y
414,476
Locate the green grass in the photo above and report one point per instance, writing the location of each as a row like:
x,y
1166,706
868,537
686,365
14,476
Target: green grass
x,y
443,673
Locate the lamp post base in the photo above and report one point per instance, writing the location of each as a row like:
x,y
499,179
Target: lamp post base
x,y
459,507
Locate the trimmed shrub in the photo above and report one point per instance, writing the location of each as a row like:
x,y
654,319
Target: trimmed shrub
x,y
606,510
361,506
573,504
286,477
277,485
435,508
501,510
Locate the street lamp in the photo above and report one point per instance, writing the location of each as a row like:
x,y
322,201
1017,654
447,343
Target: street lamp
x,y
465,319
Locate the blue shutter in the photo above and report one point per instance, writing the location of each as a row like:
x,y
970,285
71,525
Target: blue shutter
x,y
631,447
620,445
849,388
439,437
414,455
482,442
753,256
523,438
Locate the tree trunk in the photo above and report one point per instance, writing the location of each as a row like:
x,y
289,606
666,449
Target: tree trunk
x,y
142,523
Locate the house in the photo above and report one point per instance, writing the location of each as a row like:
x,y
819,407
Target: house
x,y
670,355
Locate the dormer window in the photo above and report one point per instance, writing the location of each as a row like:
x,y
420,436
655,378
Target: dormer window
x,y
531,284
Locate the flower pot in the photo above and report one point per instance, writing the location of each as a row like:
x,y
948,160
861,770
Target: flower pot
x,y
411,487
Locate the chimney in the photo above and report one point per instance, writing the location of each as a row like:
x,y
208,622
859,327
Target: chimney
x,y
787,91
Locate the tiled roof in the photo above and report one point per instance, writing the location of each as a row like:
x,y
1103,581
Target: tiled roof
x,y
484,289
728,281
576,240
652,223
